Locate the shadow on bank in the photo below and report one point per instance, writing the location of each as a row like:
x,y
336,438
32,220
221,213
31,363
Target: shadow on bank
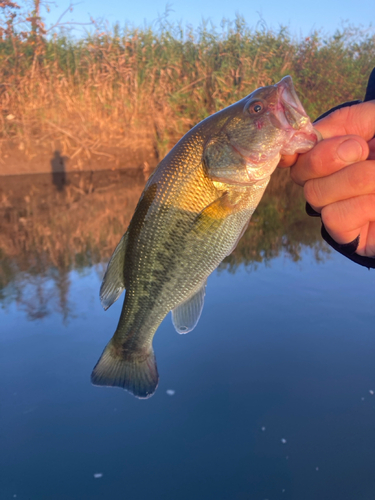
x,y
58,171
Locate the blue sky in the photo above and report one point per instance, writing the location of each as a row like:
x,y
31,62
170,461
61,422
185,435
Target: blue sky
x,y
300,16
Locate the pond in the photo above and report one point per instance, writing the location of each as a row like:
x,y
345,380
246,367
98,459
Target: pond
x,y
272,396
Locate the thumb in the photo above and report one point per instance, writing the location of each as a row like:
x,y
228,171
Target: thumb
x,y
358,119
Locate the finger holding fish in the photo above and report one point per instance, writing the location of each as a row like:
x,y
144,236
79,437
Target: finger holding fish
x,y
329,156
352,180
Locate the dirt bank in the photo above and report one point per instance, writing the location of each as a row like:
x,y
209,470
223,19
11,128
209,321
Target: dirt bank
x,y
17,159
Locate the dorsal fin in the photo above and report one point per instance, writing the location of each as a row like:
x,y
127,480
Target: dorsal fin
x,y
186,316
113,281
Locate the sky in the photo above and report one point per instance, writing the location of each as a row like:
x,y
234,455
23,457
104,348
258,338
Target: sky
x,y
300,17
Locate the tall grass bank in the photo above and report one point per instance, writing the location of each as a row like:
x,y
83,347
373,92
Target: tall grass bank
x,y
122,98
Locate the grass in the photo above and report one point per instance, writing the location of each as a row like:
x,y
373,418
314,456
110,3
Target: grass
x,y
136,88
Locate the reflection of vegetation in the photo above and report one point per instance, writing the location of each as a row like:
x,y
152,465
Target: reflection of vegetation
x,y
45,234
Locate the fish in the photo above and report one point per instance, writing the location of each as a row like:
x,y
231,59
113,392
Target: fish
x,y
194,209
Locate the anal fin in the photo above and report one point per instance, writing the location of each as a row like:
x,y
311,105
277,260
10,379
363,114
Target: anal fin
x,y
113,281
186,315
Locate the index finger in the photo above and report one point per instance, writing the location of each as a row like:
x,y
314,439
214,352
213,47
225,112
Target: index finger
x,y
329,156
287,160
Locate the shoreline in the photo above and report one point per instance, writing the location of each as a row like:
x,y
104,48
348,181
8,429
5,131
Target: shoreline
x,y
36,160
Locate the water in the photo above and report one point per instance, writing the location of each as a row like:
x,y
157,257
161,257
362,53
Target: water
x,y
268,398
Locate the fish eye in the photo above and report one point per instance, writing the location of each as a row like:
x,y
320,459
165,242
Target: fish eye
x,y
256,107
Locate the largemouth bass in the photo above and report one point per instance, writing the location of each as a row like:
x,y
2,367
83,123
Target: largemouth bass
x,y
192,213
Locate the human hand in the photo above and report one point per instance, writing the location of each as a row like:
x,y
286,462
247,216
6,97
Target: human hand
x,y
338,175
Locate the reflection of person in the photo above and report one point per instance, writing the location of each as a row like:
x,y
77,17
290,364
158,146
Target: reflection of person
x,y
338,176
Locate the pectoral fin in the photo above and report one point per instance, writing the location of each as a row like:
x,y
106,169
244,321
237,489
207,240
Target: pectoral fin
x,y
113,281
186,316
212,217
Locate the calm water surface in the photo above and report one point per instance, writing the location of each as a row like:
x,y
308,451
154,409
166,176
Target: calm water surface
x,y
270,397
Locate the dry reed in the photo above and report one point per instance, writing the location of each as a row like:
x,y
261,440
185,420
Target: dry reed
x,y
142,89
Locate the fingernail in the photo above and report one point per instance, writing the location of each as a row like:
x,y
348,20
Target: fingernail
x,y
350,151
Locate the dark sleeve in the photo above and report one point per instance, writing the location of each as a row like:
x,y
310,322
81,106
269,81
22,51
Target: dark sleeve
x,y
349,249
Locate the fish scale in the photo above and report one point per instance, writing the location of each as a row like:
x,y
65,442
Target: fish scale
x,y
193,210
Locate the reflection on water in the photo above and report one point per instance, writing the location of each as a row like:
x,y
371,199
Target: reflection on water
x,y
272,396
48,229
45,234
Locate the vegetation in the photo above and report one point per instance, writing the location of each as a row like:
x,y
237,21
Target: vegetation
x,y
145,87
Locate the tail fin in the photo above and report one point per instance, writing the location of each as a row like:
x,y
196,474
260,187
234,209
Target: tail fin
x,y
134,371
